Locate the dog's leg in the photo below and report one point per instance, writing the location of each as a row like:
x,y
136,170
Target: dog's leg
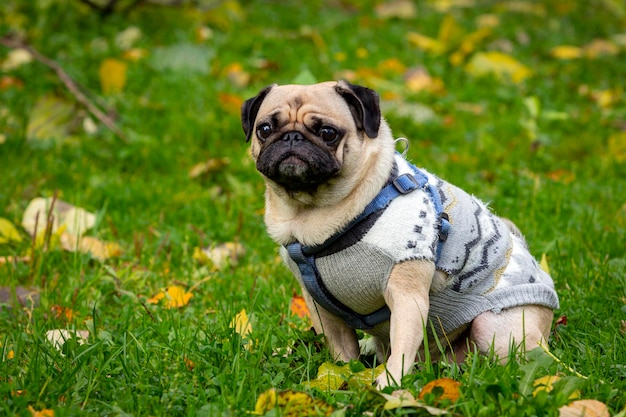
x,y
523,328
407,297
341,339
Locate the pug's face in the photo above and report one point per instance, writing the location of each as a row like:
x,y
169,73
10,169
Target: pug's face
x,y
301,134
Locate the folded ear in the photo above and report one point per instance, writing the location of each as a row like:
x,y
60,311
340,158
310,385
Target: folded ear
x,y
249,110
364,105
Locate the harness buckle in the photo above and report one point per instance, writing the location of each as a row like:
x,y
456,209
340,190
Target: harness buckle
x,y
405,183
444,226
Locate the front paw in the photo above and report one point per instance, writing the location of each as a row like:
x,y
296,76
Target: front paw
x,y
385,380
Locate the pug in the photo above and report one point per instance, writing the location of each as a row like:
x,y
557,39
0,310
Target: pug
x,y
382,246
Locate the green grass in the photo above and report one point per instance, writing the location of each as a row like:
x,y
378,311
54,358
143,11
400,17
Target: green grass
x,y
562,183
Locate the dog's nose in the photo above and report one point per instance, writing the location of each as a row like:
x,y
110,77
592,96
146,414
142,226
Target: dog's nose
x,y
292,136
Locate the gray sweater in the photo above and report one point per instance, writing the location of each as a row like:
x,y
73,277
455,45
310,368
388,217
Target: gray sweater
x,y
488,268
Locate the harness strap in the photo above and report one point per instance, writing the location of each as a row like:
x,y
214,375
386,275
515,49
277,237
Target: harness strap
x,y
304,256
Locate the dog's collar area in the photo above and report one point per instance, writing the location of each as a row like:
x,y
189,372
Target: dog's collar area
x,y
304,256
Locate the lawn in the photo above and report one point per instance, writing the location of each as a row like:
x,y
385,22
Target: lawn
x,y
132,114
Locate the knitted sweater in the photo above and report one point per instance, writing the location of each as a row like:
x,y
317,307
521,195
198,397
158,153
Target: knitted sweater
x,y
488,268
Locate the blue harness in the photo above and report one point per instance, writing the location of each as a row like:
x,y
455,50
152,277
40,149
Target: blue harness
x,y
304,256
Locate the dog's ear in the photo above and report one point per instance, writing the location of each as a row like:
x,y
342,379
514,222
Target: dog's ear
x,y
364,105
249,110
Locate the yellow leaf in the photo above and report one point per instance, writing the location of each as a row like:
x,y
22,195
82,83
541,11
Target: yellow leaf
x,y
450,389
425,43
566,52
175,297
546,383
237,75
75,220
584,408
617,146
50,118
544,263
135,54
418,79
15,59
241,324
330,376
112,75
10,354
8,232
42,413
499,64
291,403
230,102
404,399
450,32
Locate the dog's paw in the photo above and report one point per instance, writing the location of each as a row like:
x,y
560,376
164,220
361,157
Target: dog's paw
x,y
385,380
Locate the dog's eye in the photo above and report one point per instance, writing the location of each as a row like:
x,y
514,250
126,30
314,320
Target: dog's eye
x,y
264,130
329,135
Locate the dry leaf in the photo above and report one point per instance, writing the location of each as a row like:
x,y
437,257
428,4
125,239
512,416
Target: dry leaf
x,y
401,9
8,232
15,59
584,408
174,296
49,119
75,220
499,64
291,403
63,313
546,383
236,75
58,337
600,47
43,413
135,54
418,79
208,166
230,102
99,249
449,386
298,306
127,38
220,256
425,43
7,81
112,76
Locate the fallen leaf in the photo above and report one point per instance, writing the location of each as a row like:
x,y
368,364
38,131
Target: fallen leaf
x,y
561,175
544,263
10,354
49,119
15,59
221,255
63,313
135,54
404,399
58,337
499,64
7,81
209,166
400,9
425,43
418,79
236,75
42,413
241,324
546,383
8,232
101,250
174,296
291,403
331,377
76,220
230,102
298,306
112,76
584,408
600,47
566,52
443,389
128,37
